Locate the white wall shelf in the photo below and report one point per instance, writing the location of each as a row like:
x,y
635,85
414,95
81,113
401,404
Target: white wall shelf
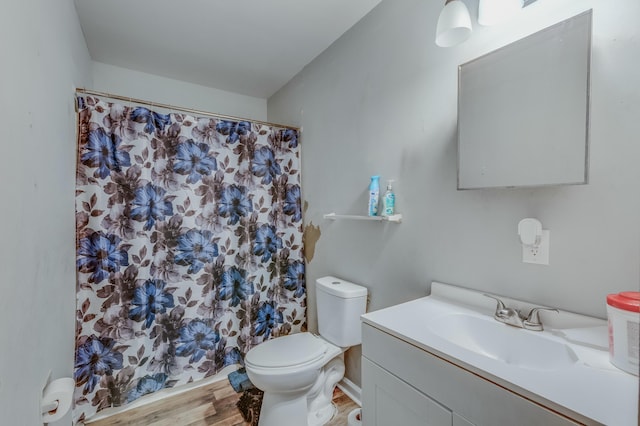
x,y
396,218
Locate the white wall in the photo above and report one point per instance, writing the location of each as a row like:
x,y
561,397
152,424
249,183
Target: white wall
x,y
382,100
149,87
44,57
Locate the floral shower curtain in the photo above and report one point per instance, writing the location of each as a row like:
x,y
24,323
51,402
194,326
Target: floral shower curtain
x,y
189,248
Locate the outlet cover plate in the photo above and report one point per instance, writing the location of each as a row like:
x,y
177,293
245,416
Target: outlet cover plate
x,y
539,255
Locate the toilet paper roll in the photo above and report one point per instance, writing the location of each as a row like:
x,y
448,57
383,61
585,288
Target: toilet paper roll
x,y
58,394
355,417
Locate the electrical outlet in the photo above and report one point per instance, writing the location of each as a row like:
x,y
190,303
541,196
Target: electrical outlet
x,y
540,254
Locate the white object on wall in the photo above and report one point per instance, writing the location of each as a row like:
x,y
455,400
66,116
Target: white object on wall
x,y
535,241
454,24
56,399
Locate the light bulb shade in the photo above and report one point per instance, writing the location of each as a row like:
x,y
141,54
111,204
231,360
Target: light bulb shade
x,y
491,12
454,24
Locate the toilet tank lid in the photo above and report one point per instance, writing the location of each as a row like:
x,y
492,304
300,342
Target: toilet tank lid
x,y
339,287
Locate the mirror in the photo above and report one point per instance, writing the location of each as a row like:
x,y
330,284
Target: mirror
x,y
523,110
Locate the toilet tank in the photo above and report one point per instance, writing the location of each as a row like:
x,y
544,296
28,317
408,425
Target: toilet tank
x,y
339,304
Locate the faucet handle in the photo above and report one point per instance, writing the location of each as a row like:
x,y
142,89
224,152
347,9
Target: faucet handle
x,y
533,320
500,306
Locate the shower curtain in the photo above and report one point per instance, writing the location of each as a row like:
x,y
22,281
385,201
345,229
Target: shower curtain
x,y
189,248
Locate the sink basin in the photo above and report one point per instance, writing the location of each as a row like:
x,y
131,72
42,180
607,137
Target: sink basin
x,y
511,345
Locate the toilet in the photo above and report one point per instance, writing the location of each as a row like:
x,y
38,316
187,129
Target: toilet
x,y
299,372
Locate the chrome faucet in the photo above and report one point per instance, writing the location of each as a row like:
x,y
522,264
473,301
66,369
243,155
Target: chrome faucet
x,y
514,317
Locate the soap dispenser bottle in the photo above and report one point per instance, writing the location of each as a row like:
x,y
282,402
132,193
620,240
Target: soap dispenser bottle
x,y
374,195
389,200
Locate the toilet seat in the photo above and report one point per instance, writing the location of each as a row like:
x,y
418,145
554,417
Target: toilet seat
x,y
287,351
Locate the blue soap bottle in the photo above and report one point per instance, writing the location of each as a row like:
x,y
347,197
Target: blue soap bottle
x,y
374,195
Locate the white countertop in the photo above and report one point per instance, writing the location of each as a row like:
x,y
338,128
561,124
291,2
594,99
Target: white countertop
x,y
591,386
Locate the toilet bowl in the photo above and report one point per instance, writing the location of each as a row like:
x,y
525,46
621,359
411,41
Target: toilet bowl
x,y
298,372
295,372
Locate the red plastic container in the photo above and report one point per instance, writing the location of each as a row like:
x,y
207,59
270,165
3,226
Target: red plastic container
x,y
623,313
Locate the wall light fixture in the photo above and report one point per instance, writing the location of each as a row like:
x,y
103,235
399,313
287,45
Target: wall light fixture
x,y
454,22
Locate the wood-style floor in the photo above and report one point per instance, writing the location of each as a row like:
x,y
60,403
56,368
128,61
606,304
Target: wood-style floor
x,y
214,404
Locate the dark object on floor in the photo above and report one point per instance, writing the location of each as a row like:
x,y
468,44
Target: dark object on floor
x,y
239,380
249,405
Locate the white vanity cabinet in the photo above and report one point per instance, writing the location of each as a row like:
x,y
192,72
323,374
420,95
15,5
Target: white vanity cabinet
x,y
406,385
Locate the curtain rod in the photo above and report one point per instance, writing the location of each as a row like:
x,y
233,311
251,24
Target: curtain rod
x,y
177,108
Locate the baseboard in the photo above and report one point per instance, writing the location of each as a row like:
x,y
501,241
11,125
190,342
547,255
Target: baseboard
x,y
352,390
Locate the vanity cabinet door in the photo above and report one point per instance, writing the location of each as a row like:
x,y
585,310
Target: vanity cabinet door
x,y
387,400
